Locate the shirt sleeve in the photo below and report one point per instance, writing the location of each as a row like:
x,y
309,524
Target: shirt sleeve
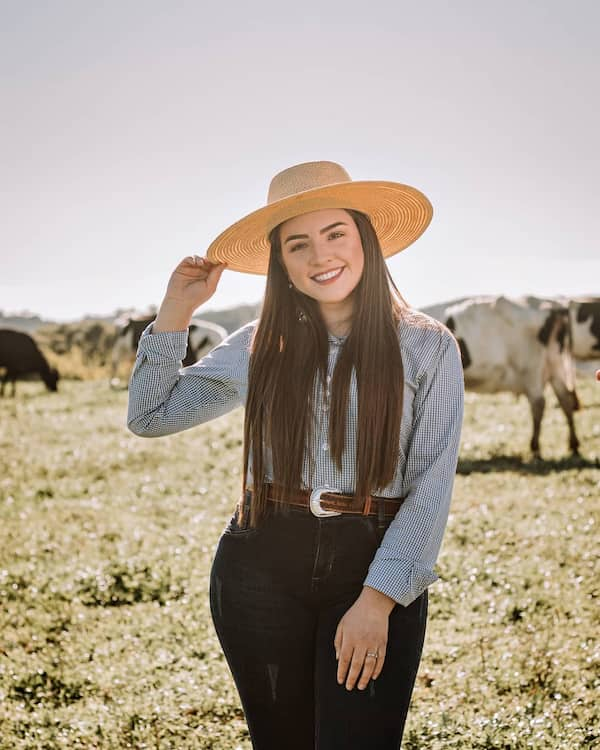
x,y
403,566
165,397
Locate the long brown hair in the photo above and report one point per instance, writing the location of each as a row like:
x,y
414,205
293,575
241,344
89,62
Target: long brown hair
x,y
288,363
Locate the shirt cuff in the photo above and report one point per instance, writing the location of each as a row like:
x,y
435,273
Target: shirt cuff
x,y
402,580
165,345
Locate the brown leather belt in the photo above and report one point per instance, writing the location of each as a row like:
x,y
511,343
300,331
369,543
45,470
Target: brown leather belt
x,y
325,501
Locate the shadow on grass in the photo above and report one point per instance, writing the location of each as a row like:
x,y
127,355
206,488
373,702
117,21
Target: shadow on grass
x,y
537,466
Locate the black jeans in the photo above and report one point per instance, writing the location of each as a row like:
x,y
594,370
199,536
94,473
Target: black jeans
x,y
277,594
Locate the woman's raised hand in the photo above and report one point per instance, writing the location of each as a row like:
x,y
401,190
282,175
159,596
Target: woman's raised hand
x,y
192,283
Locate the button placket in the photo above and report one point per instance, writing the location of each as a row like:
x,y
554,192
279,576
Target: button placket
x,y
326,391
326,401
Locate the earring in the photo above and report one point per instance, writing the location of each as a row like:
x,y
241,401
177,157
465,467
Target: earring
x,y
290,285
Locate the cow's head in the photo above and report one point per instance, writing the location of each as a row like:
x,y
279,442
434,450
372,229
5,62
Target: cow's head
x,y
465,356
586,328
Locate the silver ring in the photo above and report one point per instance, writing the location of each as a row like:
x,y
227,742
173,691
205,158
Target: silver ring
x,y
374,654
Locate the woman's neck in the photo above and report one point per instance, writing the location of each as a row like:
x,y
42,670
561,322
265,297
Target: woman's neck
x,y
337,317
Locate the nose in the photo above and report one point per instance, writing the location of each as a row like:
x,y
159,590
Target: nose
x,y
320,252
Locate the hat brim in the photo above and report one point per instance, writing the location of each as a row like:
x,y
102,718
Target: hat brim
x,y
399,214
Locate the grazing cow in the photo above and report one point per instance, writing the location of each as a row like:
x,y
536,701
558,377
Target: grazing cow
x,y
20,356
517,346
202,337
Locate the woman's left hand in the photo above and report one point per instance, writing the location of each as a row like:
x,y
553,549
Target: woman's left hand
x,y
362,632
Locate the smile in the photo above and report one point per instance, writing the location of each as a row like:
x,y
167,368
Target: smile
x,y
328,276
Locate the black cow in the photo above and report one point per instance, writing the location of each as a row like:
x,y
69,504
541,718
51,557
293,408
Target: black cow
x,y
20,356
202,337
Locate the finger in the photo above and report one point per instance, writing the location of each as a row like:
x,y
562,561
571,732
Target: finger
x,y
337,642
380,660
216,267
204,260
344,661
356,666
367,670
193,267
190,262
213,274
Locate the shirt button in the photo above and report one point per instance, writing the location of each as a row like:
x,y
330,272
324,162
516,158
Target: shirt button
x,y
325,446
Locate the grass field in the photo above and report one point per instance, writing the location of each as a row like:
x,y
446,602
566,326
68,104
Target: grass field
x,y
106,541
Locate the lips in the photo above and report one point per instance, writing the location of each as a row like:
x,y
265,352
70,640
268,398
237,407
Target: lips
x,y
328,276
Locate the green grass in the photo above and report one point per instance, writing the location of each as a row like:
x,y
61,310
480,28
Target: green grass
x,y
105,547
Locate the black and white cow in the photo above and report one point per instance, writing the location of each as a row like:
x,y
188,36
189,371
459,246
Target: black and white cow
x,y
19,357
516,345
202,337
584,320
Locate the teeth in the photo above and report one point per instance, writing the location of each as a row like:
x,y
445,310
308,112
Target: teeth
x,y
328,275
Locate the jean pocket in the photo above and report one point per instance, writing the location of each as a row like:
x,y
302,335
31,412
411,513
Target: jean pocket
x,y
375,529
237,528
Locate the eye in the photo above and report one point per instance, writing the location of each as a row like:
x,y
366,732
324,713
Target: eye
x,y
335,234
297,246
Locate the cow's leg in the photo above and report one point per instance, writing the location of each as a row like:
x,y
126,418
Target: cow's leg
x,y
576,402
114,361
537,404
122,351
568,403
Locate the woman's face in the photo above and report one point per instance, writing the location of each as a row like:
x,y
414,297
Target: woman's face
x,y
323,255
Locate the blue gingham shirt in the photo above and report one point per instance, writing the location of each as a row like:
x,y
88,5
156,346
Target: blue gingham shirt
x,y
165,398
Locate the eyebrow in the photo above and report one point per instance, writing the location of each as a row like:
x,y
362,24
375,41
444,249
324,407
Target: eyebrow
x,y
321,231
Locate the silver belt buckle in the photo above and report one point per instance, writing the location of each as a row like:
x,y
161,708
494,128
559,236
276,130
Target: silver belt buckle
x,y
315,502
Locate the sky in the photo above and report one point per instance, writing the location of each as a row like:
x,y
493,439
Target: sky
x,y
134,132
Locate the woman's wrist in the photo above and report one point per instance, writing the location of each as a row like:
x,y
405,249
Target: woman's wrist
x,y
172,316
377,599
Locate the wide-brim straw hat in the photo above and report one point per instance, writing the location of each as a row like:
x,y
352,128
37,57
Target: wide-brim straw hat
x,y
399,213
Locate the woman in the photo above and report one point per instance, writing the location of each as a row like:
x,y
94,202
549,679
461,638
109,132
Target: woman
x,y
352,425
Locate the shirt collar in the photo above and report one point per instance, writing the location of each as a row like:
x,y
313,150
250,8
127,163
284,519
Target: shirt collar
x,y
336,340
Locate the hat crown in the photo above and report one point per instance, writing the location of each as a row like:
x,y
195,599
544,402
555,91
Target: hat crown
x,y
308,176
